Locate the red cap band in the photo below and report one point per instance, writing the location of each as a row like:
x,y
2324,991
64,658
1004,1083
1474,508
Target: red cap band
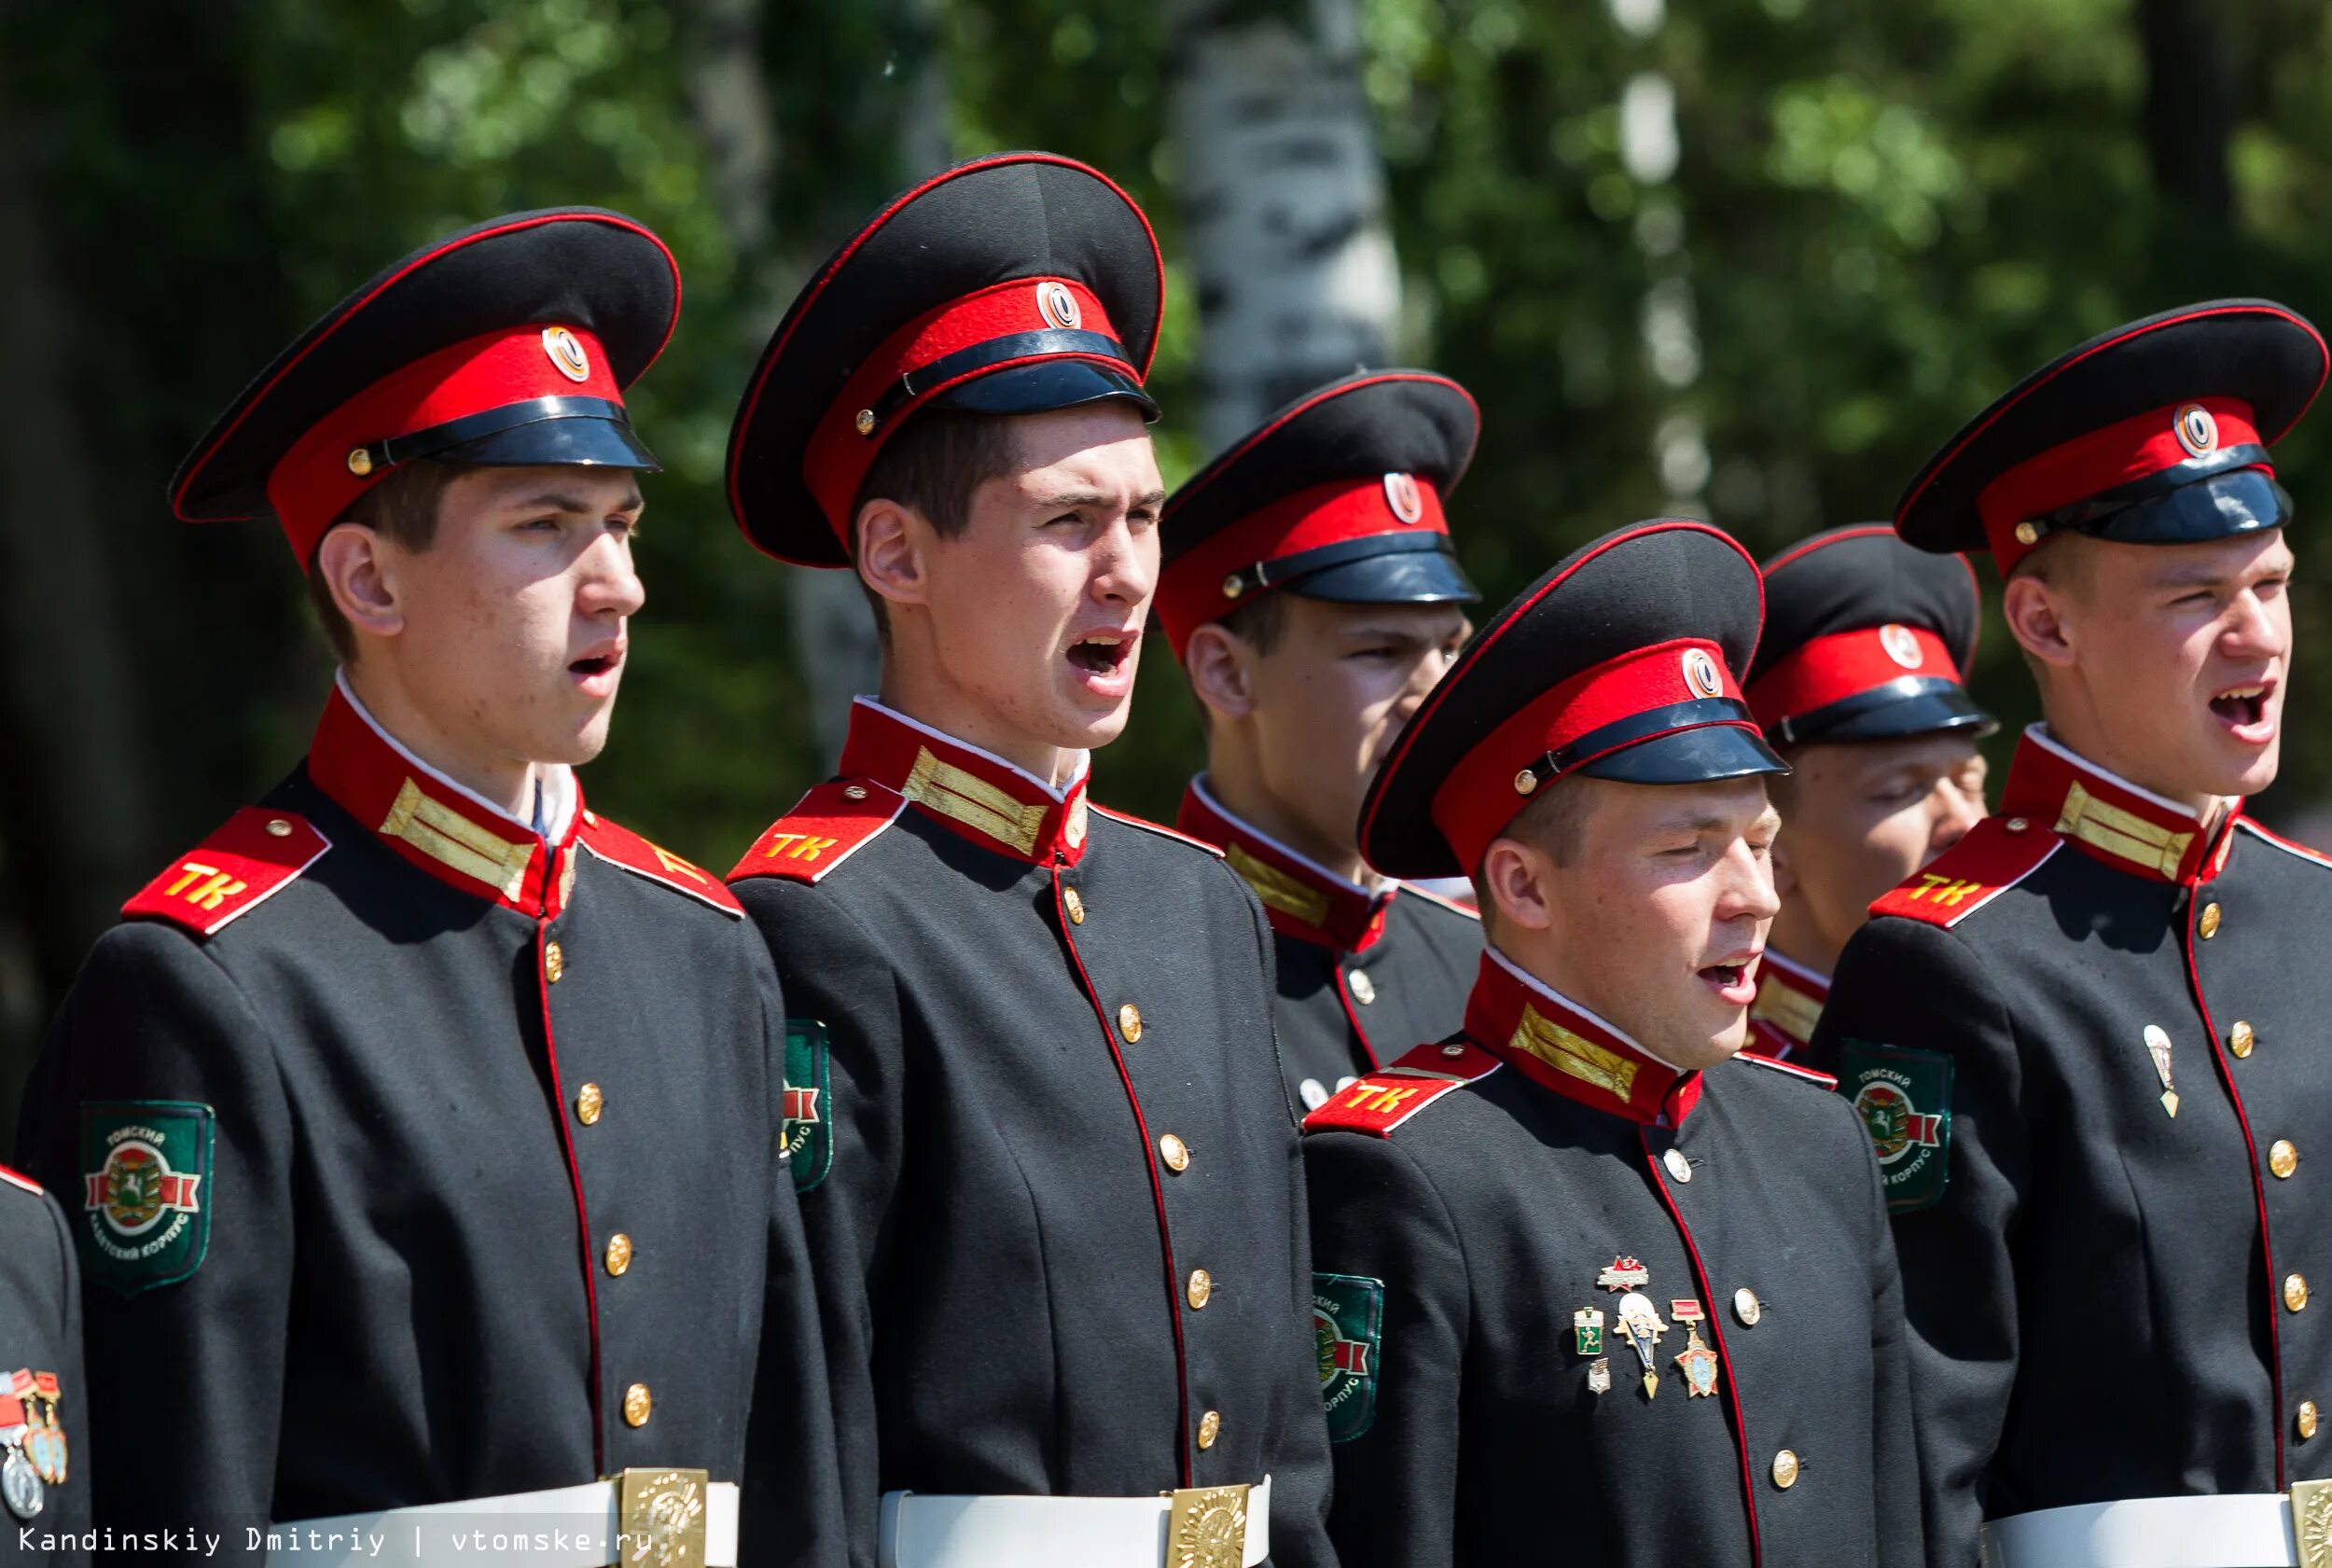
x,y
2125,451
1846,664
1478,799
312,484
836,461
1190,592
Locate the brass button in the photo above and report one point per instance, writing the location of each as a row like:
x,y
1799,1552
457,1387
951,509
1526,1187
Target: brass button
x,y
2027,534
2241,1038
2018,825
1453,1050
1525,780
618,1253
2307,1421
554,963
1202,1286
278,828
590,819
2296,1291
1232,587
853,792
1785,1469
1074,904
2208,924
636,1404
1679,1168
1130,1022
589,1102
1747,1308
359,462
1364,989
865,422
2281,1157
1174,1152
1210,1428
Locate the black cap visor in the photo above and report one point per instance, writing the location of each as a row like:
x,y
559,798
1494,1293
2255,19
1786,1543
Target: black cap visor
x,y
1410,576
1911,705
1044,385
2242,501
587,432
1682,756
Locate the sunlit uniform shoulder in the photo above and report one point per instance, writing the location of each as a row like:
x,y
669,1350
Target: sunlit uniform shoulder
x,y
618,845
1996,854
825,828
1390,1097
241,864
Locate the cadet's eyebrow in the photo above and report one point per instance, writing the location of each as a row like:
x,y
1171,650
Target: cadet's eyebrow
x,y
556,501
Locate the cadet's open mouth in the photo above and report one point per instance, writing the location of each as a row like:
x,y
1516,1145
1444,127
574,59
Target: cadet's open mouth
x,y
1101,653
2242,704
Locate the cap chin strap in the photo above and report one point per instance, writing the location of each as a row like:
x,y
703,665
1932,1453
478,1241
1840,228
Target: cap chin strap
x,y
391,450
1266,574
1625,732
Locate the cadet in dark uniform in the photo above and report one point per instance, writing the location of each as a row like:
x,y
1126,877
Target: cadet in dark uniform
x,y
1311,591
2088,1039
43,1403
422,1125
1857,686
1594,1290
1053,1192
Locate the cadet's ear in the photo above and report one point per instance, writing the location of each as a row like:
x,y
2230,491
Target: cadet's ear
x,y
2035,612
1515,874
355,564
1216,661
1784,875
894,550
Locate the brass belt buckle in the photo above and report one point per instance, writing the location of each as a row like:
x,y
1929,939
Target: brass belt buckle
x,y
660,1515
2311,1523
1206,1527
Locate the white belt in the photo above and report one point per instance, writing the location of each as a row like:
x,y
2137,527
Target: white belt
x,y
920,1532
2246,1530
564,1527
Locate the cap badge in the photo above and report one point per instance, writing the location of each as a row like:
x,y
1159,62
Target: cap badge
x,y
566,352
1701,673
1900,645
1057,305
2198,432
1401,494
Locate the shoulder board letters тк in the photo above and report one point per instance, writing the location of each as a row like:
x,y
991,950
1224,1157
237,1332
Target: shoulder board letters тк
x,y
1981,866
247,859
620,846
1388,1098
826,828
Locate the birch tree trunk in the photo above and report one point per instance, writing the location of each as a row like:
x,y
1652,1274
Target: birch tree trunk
x,y
1283,202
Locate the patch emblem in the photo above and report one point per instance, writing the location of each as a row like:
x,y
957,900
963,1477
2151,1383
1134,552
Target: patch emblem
x,y
145,1217
566,351
1348,1326
1702,674
2198,432
1057,305
1904,1098
1401,494
1901,644
809,1134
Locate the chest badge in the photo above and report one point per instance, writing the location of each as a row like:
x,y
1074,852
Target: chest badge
x,y
2157,1047
1639,1321
1696,1363
1587,1330
1624,1273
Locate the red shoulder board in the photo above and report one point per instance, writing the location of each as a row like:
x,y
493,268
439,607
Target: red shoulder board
x,y
620,846
18,1178
250,856
826,828
1821,1080
1158,827
1430,897
1390,1096
1991,859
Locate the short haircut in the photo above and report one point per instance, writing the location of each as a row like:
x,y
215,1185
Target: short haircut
x,y
403,507
1555,821
933,465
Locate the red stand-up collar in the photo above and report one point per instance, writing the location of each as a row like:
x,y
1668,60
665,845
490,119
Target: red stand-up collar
x,y
433,821
2113,820
974,793
1790,999
1560,1044
1302,898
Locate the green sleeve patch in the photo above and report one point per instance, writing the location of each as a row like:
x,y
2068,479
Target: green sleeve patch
x,y
808,1133
1348,1326
145,1206
1904,1097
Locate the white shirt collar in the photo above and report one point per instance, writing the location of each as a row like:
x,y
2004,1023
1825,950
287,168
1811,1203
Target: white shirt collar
x,y
554,780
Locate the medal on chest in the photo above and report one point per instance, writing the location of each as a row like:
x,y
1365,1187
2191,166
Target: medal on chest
x,y
1696,1363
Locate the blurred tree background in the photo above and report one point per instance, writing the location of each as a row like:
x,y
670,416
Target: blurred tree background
x,y
1751,260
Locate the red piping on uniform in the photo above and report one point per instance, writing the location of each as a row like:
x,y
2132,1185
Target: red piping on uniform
x,y
1937,467
1158,1191
1482,644
1217,467
669,326
1733,1387
574,1174
2259,1188
1358,1033
801,312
